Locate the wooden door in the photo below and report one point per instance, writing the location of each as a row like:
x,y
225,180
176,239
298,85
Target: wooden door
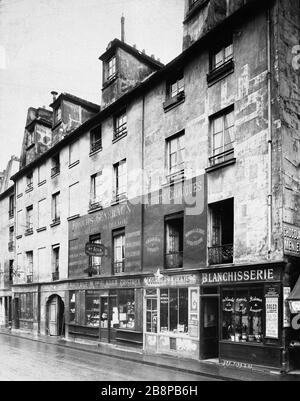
x,y
53,311
210,327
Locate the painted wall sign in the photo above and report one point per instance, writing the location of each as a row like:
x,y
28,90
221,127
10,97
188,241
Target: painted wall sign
x,y
169,281
153,244
272,317
291,236
234,364
240,276
106,284
228,304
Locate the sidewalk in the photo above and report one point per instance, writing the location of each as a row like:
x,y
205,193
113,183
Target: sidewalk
x,y
208,369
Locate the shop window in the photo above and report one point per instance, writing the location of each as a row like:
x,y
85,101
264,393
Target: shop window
x,y
96,139
119,251
95,261
151,315
26,306
126,307
92,309
72,307
222,233
175,153
120,181
174,242
223,138
174,311
242,312
120,123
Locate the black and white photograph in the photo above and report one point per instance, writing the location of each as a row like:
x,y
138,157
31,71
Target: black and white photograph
x,y
149,193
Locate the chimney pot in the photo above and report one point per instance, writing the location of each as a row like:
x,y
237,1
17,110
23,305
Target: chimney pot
x,y
144,51
54,95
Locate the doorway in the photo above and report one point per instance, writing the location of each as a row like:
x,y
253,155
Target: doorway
x,y
210,327
16,313
108,319
55,316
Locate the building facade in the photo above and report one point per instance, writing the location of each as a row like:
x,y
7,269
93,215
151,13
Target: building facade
x,y
185,181
7,240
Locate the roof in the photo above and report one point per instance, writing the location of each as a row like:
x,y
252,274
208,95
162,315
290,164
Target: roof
x,y
253,7
116,43
77,100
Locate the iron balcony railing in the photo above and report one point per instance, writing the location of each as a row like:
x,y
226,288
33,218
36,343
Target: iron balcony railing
x,y
119,267
96,145
55,276
29,278
219,255
120,131
55,170
94,204
11,246
174,260
221,157
11,214
29,229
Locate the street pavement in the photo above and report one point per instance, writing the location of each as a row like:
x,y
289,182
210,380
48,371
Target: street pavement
x,y
25,360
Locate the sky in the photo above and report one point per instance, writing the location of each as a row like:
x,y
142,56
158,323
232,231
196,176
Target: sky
x,y
48,45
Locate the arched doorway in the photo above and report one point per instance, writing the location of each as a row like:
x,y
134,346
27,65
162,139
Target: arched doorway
x,y
55,309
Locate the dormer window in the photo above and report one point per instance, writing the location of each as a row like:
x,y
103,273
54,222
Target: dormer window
x,y
30,138
111,68
222,56
57,116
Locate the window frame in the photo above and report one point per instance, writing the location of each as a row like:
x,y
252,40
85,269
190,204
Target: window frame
x,y
120,181
120,130
178,254
111,70
55,210
96,139
95,262
171,172
119,265
29,219
95,198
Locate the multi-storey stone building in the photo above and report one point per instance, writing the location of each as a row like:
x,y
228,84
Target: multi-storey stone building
x,y
186,182
7,240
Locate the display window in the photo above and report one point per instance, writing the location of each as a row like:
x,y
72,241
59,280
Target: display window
x,y
72,306
92,309
174,311
151,311
242,315
26,306
126,309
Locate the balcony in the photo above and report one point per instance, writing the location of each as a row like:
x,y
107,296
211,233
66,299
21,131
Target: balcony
x,y
55,170
11,246
29,230
220,255
119,197
55,276
29,279
174,260
120,132
176,176
221,158
96,145
11,214
119,267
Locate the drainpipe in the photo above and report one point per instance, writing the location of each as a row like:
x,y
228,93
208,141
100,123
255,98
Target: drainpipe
x,y
270,139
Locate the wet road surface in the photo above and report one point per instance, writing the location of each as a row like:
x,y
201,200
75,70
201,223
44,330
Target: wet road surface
x,y
26,360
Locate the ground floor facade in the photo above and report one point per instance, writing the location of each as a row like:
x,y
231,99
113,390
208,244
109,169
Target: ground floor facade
x,y
5,308
235,315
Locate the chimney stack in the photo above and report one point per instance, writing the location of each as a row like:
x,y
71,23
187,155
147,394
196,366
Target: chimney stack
x,y
54,95
123,28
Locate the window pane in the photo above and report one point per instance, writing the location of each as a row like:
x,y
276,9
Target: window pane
x,y
183,310
228,52
126,309
173,309
164,310
255,315
228,328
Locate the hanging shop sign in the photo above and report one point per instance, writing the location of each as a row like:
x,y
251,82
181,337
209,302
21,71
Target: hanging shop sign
x,y
291,236
96,250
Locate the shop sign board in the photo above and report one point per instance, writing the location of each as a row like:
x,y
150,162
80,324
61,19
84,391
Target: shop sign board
x,y
106,284
291,236
263,274
162,280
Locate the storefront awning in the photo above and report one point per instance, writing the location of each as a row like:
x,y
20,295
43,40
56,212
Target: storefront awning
x,y
294,298
295,294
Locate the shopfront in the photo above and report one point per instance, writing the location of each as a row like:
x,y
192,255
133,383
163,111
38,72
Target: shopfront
x,y
171,315
108,311
242,315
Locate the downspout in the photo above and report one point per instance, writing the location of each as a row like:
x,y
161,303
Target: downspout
x,y
270,136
